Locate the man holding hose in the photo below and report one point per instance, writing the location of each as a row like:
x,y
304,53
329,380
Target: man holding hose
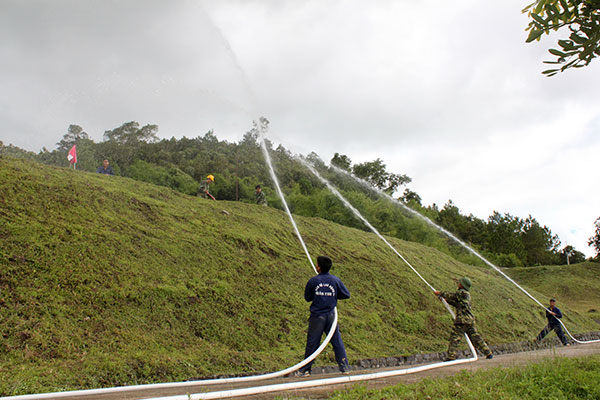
x,y
553,314
323,291
465,321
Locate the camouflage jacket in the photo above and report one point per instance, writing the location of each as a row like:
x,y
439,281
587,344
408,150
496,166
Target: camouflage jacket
x,y
203,189
261,199
461,300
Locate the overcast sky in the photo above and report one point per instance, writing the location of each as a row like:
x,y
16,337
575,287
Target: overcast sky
x,y
449,95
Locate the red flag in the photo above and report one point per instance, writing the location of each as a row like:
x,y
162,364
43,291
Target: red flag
x,y
72,157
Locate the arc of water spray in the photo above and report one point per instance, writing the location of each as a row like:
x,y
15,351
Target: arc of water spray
x,y
328,381
262,126
371,227
463,244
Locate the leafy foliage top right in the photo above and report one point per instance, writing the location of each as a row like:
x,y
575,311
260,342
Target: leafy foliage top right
x,y
582,17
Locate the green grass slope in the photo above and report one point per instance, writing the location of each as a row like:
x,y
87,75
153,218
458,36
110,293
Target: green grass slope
x,y
577,285
108,281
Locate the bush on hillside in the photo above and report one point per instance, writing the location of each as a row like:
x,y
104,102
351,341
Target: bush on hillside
x,y
173,178
508,261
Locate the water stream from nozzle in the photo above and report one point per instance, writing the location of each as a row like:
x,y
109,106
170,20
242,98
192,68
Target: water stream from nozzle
x,y
262,126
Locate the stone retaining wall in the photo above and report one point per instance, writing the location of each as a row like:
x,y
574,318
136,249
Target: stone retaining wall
x,y
430,358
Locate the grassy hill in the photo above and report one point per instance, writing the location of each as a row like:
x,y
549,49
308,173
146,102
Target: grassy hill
x,y
108,281
577,285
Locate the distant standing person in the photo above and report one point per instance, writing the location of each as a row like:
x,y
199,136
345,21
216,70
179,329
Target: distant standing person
x,y
260,196
105,169
464,321
323,291
203,190
553,314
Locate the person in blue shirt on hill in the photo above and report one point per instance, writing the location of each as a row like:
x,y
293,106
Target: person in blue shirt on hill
x,y
105,169
553,314
323,291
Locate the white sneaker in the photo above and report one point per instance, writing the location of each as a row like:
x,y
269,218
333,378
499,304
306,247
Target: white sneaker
x,y
301,373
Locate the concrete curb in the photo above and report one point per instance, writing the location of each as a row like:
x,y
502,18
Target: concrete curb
x,y
503,348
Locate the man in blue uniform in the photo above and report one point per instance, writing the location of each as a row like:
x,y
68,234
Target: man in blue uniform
x,y
553,313
105,169
323,291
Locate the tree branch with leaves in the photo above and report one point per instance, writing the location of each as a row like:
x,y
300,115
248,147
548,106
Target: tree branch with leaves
x,y
581,17
594,241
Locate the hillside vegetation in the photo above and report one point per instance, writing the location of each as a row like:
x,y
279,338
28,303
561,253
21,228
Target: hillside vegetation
x,y
110,281
574,285
136,152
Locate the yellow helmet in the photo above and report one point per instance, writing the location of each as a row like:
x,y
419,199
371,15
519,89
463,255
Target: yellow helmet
x,y
212,178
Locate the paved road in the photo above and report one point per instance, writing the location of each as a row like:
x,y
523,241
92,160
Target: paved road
x,y
507,360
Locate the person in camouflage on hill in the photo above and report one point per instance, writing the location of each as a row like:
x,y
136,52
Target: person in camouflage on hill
x,y
464,321
260,196
203,188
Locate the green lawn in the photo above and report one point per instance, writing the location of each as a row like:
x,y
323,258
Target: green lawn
x,y
556,379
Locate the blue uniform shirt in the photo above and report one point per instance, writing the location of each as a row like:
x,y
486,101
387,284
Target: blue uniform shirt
x,y
324,290
107,171
552,321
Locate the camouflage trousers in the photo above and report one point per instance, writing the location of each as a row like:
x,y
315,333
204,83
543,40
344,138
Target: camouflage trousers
x,y
458,332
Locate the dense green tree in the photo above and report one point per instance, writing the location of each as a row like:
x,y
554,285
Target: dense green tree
x,y
17,152
75,134
122,144
170,177
504,234
451,219
130,133
375,173
342,161
568,255
539,243
410,197
581,17
468,228
594,241
87,159
314,159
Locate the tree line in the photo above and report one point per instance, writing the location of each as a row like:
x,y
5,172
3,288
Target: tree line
x,y
136,152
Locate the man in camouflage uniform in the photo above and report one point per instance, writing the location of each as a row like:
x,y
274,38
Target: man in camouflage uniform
x,y
203,188
260,196
465,321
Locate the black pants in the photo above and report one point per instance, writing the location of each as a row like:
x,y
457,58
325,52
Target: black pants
x,y
317,326
555,328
